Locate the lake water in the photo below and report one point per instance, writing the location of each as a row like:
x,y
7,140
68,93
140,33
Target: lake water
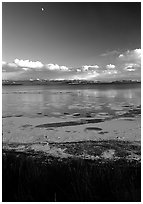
x,y
60,101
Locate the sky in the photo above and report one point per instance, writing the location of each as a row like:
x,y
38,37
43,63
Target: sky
x,y
71,40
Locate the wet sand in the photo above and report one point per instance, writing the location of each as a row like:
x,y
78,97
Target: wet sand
x,y
45,130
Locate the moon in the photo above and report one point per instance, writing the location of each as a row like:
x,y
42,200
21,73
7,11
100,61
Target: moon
x,y
42,9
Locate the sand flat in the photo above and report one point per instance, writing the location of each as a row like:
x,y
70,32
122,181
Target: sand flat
x,y
27,130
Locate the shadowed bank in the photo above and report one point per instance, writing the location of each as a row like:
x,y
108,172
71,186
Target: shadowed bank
x,y
35,176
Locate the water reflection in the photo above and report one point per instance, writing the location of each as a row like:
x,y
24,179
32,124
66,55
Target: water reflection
x,y
67,100
100,93
32,98
111,93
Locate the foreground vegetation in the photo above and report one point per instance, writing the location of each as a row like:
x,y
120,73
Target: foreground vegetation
x,y
38,177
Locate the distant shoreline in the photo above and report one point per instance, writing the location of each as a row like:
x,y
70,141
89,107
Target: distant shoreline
x,y
68,82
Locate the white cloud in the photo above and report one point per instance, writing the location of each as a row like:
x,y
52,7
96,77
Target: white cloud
x,y
52,66
131,66
56,67
12,64
3,62
89,67
9,67
25,68
28,64
94,72
128,64
91,75
78,70
94,66
64,68
131,56
131,60
110,66
130,69
85,68
121,56
86,75
113,72
110,71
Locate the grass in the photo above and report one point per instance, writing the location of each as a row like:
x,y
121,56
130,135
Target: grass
x,y
35,177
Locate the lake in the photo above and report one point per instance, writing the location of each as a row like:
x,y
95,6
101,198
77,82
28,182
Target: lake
x,y
59,101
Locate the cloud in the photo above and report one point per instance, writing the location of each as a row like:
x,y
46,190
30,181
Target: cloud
x,y
28,64
109,72
3,63
86,75
64,68
25,68
56,67
128,64
110,66
131,61
110,53
131,56
131,66
78,70
52,66
9,67
12,64
89,67
129,69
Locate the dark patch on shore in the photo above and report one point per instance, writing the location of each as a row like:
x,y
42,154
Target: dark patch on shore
x,y
18,115
26,125
129,119
81,148
36,177
133,112
40,113
76,114
70,123
50,129
9,116
103,132
93,128
96,148
66,113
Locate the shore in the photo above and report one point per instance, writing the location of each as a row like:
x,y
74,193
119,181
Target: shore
x,y
72,159
107,171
